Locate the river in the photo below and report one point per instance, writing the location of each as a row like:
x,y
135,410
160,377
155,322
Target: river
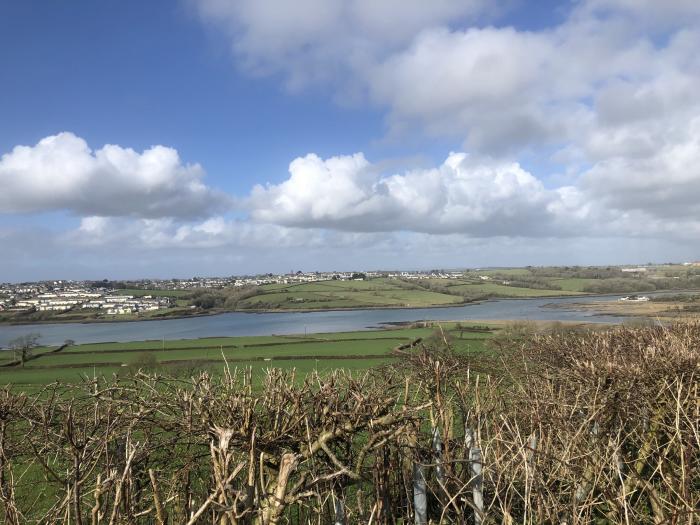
x,y
240,323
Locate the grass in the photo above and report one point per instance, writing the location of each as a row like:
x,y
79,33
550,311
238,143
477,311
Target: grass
x,y
344,294
347,350
502,290
574,284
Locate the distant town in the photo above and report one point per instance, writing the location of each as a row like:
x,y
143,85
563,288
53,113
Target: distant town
x,y
68,300
106,296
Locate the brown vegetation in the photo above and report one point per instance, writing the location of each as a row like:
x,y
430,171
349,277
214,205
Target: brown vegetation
x,y
570,427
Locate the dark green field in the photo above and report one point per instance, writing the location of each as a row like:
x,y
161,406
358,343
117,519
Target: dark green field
x,y
350,350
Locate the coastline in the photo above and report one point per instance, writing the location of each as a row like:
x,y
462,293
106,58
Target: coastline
x,y
286,311
346,309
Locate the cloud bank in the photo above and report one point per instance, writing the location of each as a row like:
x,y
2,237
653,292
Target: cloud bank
x,y
460,196
477,197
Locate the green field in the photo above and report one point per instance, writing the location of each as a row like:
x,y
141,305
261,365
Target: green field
x,y
501,290
345,294
574,284
392,293
348,350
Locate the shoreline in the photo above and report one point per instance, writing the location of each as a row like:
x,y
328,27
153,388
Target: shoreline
x,y
288,311
312,310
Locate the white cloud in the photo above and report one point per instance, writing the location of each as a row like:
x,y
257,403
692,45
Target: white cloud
x,y
122,251
499,89
318,40
463,195
663,182
654,196
61,172
609,94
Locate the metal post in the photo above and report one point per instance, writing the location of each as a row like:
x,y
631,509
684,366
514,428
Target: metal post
x,y
420,500
339,510
477,485
437,448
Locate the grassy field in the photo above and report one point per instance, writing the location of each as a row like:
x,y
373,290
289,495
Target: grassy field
x,y
345,294
392,293
349,350
475,286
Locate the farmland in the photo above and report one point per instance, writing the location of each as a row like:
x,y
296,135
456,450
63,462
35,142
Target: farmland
x,y
473,285
386,293
350,351
346,294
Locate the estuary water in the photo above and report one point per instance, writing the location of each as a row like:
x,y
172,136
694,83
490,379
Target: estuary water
x,y
284,323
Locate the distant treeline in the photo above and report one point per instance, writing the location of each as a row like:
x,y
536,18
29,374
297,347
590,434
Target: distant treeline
x,y
227,298
534,282
577,272
438,287
642,285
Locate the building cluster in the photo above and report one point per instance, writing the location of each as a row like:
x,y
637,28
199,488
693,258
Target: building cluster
x,y
288,278
103,296
62,297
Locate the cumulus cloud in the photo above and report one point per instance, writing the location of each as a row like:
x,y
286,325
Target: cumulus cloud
x,y
61,172
463,195
608,95
485,198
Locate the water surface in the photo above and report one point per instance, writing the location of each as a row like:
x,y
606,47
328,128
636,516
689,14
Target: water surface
x,y
283,323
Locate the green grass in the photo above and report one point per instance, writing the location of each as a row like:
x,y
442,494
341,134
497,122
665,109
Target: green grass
x,y
344,294
574,284
509,291
347,350
301,350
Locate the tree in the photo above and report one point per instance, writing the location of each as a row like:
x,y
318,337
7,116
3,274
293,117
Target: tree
x,y
24,345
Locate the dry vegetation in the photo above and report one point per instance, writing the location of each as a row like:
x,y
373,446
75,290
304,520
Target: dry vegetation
x,y
571,427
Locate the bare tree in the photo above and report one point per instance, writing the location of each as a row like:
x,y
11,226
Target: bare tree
x,y
23,346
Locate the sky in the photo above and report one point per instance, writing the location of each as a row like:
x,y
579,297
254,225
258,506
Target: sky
x,y
223,137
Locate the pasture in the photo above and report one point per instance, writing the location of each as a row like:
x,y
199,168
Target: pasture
x,y
326,295
351,351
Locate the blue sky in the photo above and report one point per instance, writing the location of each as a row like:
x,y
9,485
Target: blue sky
x,y
142,73
252,136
